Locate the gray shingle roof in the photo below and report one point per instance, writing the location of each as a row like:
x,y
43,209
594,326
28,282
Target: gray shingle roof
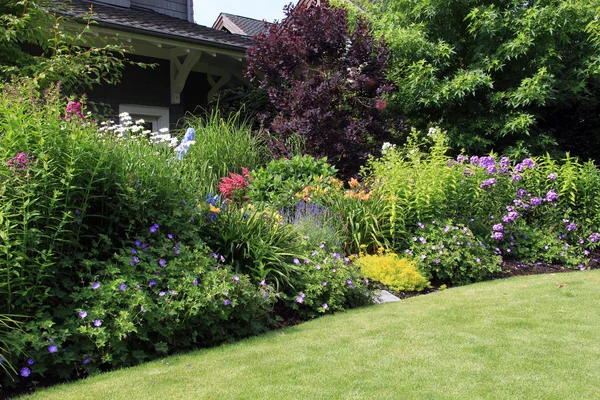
x,y
153,24
250,26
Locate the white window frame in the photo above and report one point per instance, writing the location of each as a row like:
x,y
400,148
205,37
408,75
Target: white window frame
x,y
158,116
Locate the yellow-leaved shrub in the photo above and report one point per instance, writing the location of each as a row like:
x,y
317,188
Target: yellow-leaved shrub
x,y
392,271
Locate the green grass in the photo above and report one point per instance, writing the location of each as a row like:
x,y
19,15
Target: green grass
x,y
533,337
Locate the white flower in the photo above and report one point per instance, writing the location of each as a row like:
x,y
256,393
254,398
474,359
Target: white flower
x,y
387,145
432,131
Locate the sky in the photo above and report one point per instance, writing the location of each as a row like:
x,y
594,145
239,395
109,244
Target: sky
x,y
207,11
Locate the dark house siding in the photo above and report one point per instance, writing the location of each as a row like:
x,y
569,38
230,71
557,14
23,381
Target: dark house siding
x,y
150,87
174,8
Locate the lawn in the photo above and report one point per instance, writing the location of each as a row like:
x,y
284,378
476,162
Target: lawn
x,y
532,337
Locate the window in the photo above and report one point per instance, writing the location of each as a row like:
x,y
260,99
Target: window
x,y
155,118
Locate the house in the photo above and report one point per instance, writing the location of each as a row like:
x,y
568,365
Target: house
x,y
193,62
240,25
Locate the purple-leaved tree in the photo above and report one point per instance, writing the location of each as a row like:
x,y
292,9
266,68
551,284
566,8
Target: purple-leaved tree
x,y
326,81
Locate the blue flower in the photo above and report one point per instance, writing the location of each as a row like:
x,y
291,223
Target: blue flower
x,y
186,143
122,287
87,360
227,302
152,283
154,228
30,361
138,243
162,262
25,372
170,236
52,348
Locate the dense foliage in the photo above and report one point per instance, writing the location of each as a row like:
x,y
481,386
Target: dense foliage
x,y
514,76
54,53
325,80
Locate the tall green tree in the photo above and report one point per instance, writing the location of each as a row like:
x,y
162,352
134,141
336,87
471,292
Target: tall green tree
x,y
514,75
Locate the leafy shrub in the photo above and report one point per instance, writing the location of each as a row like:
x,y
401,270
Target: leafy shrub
x,y
325,282
256,242
154,298
392,271
447,253
278,182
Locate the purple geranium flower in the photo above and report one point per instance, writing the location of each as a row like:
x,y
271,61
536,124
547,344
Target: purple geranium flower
x,y
95,285
82,314
52,348
25,372
30,361
325,306
152,283
195,282
170,236
161,294
97,323
154,228
552,176
122,287
227,302
162,262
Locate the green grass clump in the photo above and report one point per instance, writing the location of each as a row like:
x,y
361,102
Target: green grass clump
x,y
521,338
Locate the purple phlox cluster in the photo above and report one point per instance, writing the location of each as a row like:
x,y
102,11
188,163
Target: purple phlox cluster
x,y
536,201
510,217
97,323
497,235
461,159
572,226
95,285
474,160
594,237
551,196
467,172
504,164
300,298
73,109
521,193
489,164
498,228
154,228
516,177
581,241
552,176
521,204
486,184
